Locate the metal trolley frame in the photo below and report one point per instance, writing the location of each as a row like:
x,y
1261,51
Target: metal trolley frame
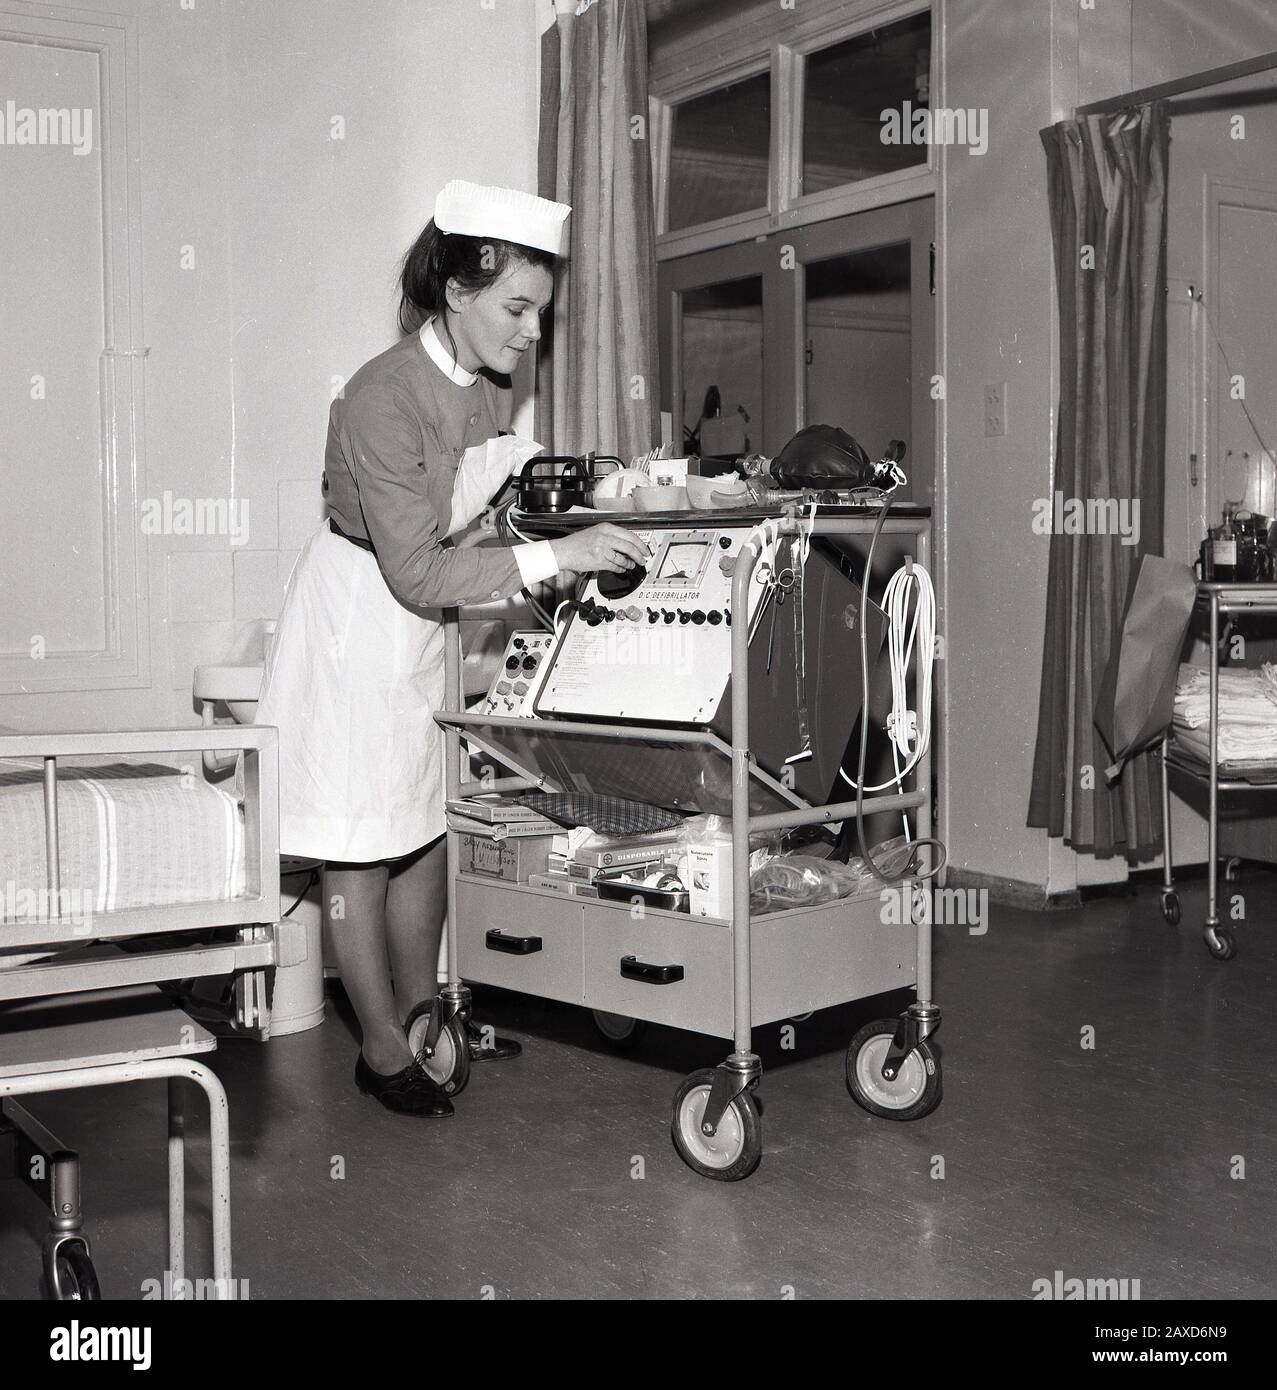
x,y
1220,600
891,1069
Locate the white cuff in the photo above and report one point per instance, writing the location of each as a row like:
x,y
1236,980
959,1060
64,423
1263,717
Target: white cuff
x,y
536,561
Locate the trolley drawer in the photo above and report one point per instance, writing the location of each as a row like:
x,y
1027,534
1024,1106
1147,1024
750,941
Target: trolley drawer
x,y
663,968
518,939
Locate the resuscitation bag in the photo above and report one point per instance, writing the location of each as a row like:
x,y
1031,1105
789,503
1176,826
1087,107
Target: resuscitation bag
x,y
1136,699
823,456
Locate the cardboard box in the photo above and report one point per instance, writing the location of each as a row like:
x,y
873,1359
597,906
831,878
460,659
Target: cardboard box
x,y
709,872
512,860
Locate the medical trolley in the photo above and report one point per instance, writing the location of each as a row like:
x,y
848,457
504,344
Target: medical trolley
x,y
718,977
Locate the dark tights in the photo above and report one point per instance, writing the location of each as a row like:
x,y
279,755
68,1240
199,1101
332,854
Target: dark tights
x,y
384,923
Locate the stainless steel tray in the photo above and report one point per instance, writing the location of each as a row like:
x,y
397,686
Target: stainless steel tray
x,y
617,886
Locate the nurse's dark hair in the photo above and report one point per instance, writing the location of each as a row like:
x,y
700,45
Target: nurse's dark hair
x,y
473,262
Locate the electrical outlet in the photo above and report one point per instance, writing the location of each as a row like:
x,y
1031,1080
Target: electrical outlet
x,y
995,410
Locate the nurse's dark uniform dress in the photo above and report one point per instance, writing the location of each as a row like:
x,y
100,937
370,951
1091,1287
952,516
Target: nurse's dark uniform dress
x,y
355,670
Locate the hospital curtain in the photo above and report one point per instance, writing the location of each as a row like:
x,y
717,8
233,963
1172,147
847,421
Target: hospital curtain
x,y
1106,180
596,376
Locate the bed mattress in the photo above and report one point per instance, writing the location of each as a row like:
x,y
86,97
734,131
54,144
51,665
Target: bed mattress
x,y
132,834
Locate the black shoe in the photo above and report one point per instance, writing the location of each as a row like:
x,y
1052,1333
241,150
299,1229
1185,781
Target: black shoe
x,y
500,1050
407,1092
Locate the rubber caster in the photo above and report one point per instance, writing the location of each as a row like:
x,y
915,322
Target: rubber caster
x,y
1170,908
618,1030
449,1068
76,1279
1232,869
914,1091
735,1150
1224,947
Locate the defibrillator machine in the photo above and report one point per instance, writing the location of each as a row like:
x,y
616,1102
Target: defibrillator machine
x,y
652,647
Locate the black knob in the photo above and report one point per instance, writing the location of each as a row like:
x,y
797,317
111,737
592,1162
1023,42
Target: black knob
x,y
518,643
653,616
529,663
684,616
698,617
714,617
725,542
609,616
594,618
727,616
512,664
667,615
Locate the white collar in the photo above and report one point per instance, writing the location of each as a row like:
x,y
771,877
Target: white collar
x,y
442,358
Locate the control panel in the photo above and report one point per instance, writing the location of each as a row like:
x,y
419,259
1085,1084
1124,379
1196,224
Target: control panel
x,y
654,643
519,678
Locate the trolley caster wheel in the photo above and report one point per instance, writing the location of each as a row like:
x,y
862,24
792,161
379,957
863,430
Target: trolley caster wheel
x,y
915,1090
1170,908
618,1030
1232,869
728,1155
1224,947
76,1279
449,1068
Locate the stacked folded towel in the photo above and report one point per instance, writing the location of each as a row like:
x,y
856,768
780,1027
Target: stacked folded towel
x,y
1247,713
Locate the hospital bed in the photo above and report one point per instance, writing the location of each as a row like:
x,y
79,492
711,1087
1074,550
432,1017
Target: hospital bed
x,y
121,867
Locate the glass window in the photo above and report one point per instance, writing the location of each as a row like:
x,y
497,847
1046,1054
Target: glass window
x,y
848,87
859,345
719,153
722,373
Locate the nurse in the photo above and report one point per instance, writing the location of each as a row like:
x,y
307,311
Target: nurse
x,y
416,447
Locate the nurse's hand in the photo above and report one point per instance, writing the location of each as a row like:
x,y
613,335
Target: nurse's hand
x,y
602,547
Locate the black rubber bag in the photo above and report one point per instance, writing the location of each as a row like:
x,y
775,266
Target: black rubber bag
x,y
823,456
1136,699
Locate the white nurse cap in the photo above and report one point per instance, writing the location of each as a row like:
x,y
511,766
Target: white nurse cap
x,y
474,209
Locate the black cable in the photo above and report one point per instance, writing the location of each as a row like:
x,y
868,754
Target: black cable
x,y
312,878
910,867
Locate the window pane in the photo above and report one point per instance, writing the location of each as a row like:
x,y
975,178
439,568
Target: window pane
x,y
719,149
847,89
722,385
859,344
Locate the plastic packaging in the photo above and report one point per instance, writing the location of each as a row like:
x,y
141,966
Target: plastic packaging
x,y
799,880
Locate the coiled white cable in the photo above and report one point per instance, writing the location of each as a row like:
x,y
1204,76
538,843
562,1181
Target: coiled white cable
x,y
909,730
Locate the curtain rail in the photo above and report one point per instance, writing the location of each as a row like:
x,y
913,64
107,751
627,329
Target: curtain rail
x,y
1265,62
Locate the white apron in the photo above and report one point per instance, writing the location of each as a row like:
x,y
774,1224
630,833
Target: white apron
x,y
352,681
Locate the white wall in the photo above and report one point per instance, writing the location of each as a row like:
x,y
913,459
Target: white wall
x,y
295,238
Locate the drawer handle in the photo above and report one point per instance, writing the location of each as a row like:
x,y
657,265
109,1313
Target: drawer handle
x,y
497,940
634,969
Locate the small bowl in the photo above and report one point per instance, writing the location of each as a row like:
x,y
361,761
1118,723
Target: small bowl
x,y
701,490
661,499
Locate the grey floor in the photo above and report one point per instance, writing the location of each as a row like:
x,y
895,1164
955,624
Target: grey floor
x,y
1105,1163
